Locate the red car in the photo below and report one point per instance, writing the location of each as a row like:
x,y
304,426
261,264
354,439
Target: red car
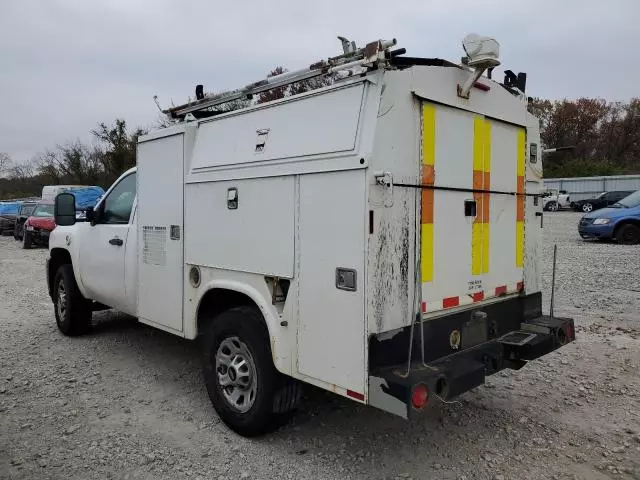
x,y
38,226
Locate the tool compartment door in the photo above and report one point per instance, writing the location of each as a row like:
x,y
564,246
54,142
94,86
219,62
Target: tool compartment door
x,y
331,325
160,232
469,237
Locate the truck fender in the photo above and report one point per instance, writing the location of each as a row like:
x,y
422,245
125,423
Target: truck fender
x,y
262,301
58,256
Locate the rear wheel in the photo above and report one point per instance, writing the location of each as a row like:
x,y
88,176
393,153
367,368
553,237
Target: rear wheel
x,y
587,207
628,234
552,206
248,393
27,240
72,310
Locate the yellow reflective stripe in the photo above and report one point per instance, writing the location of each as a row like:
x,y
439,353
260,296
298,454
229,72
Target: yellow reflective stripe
x,y
522,150
521,154
426,251
428,178
477,239
480,239
519,244
428,134
487,197
485,248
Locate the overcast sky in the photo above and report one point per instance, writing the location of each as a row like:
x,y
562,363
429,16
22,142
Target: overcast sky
x,y
66,65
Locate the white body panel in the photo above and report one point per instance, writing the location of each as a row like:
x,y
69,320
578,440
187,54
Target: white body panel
x,y
257,237
331,322
160,253
328,129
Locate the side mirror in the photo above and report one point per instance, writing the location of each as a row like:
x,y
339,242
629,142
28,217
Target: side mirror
x,y
64,209
90,215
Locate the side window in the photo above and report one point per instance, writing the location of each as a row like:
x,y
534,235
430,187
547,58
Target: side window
x,y
119,202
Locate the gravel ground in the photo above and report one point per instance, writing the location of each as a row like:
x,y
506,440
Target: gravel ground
x,y
127,401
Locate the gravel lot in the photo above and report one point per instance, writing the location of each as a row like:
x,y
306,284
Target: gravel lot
x,y
127,401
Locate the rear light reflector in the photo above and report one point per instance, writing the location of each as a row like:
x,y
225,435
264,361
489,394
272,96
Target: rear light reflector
x,y
419,396
570,333
450,302
356,395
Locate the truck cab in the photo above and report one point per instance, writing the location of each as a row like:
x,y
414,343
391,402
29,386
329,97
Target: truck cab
x,y
102,249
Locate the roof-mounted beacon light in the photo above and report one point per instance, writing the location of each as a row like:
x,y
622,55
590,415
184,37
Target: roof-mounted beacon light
x,y
482,54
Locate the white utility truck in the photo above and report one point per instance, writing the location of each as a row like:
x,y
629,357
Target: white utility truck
x,y
378,237
554,200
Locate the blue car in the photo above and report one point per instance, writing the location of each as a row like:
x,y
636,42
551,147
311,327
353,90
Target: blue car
x,y
620,222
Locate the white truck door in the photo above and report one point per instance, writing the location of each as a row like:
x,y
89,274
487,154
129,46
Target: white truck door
x,y
331,324
472,245
159,219
103,245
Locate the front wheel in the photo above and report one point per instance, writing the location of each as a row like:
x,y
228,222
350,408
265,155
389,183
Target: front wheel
x,y
246,390
628,234
587,207
72,310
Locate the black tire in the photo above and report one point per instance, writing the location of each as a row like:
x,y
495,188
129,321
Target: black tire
x,y
274,396
27,240
628,234
73,311
587,207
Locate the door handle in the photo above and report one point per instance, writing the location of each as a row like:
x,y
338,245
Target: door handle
x,y
116,241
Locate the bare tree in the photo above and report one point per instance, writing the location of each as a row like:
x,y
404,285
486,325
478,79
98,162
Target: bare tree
x,y
5,164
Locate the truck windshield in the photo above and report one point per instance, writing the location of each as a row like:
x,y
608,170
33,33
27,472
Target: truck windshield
x,y
43,211
631,201
27,210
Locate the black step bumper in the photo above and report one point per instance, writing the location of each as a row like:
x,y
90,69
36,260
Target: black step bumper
x,y
391,387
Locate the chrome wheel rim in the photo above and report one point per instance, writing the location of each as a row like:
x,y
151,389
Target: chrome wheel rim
x,y
587,208
61,303
236,373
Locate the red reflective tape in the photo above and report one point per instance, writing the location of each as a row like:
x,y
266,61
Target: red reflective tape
x,y
450,302
501,290
356,395
520,286
482,86
424,307
478,296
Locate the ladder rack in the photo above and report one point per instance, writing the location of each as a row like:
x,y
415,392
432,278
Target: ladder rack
x,y
373,54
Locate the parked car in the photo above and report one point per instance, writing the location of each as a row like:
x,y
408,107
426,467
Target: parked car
x,y
603,200
26,209
620,222
553,200
39,225
8,212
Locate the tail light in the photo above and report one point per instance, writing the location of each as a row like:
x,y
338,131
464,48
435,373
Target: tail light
x,y
570,333
419,396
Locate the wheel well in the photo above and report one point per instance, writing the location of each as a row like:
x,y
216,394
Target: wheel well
x,y
57,257
625,222
216,301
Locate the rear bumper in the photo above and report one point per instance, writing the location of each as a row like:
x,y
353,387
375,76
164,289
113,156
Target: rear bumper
x,y
391,386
